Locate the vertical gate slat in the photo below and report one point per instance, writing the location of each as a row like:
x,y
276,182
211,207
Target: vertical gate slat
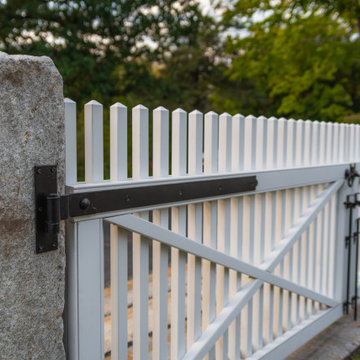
x,y
259,234
307,143
330,143
118,142
325,252
223,235
70,142
295,201
140,168
195,152
160,252
250,152
211,140
91,289
291,256
335,143
91,247
270,198
118,238
283,195
300,142
237,153
119,293
341,143
94,149
178,223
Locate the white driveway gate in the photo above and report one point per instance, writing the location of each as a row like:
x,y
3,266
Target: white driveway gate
x,y
247,227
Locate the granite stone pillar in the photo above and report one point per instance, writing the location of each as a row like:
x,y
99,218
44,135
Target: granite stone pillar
x,y
31,133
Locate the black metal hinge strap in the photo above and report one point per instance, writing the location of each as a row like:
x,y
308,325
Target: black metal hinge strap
x,y
135,197
51,207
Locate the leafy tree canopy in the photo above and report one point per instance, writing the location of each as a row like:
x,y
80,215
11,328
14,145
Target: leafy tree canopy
x,y
302,57
89,39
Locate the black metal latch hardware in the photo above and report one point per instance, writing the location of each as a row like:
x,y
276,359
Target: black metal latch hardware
x,y
352,200
51,208
351,174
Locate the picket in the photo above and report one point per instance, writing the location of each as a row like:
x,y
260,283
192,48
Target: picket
x,y
238,276
178,222
70,138
160,251
140,168
195,149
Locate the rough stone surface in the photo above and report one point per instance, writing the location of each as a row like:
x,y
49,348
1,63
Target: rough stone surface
x,y
31,132
336,342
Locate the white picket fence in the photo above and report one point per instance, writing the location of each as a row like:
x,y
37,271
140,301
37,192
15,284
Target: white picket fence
x,y
252,275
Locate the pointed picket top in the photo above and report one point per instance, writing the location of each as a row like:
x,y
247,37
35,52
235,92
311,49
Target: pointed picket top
x,y
161,109
238,117
225,115
250,117
140,107
196,113
70,141
179,111
262,118
210,114
211,139
282,119
118,142
118,105
224,151
93,103
69,101
273,118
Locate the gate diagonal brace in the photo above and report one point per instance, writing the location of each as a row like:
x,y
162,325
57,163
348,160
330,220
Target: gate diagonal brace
x,y
51,207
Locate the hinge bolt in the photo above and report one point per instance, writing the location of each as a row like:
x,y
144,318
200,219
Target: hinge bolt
x,y
84,204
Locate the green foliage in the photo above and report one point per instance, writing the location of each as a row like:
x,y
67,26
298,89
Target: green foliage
x,y
293,58
301,56
132,51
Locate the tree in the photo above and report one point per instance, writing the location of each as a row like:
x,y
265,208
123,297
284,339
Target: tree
x,y
182,77
303,55
89,39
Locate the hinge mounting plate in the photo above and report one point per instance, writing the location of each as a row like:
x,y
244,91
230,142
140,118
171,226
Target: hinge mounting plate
x,y
46,230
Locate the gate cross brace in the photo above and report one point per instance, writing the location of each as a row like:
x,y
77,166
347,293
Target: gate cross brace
x,y
234,307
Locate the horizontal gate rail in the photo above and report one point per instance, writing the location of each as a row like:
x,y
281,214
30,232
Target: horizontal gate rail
x,y
268,180
123,197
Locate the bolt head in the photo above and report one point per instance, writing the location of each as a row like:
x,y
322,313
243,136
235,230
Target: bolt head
x,y
84,204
